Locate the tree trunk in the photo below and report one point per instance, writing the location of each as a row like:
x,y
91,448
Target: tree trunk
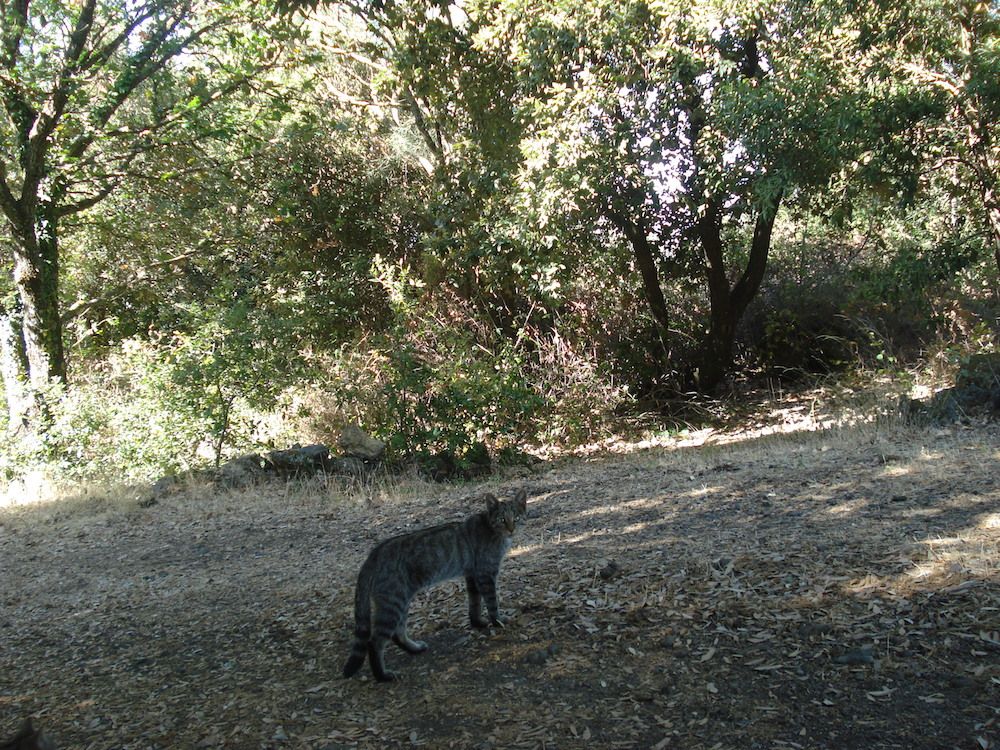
x,y
978,31
993,225
36,280
728,303
645,261
13,370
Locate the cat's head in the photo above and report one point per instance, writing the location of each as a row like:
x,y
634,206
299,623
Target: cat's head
x,y
505,516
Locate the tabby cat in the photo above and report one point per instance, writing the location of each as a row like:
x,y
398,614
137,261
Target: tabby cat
x,y
401,566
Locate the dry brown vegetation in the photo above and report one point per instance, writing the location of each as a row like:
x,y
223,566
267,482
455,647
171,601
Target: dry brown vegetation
x,y
828,589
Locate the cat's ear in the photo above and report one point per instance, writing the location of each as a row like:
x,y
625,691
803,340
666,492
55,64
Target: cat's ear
x,y
491,502
521,500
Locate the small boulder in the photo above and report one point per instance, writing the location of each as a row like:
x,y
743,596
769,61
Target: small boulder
x,y
856,657
298,461
356,443
976,393
241,472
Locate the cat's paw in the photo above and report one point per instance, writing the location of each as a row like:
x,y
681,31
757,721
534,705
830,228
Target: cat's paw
x,y
499,621
410,647
479,622
386,677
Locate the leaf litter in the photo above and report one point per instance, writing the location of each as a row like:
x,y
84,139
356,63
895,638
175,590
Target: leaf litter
x,y
786,591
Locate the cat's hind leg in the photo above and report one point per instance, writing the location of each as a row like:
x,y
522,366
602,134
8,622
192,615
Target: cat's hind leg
x,y
357,658
376,655
401,639
388,616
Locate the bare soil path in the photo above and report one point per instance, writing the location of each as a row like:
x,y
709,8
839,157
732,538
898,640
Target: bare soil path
x,y
833,590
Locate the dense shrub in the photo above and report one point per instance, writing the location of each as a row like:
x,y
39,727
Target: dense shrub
x,y
442,379
836,297
168,404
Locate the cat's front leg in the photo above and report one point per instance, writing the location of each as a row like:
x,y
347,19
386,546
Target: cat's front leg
x,y
487,586
475,603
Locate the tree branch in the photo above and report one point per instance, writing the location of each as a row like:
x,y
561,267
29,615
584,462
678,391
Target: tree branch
x,y
635,233
20,111
15,20
142,67
145,143
48,118
8,203
753,275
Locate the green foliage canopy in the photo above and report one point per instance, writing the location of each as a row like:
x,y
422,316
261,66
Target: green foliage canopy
x,y
88,89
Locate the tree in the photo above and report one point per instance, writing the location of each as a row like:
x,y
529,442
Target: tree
x,y
87,89
676,128
682,127
948,55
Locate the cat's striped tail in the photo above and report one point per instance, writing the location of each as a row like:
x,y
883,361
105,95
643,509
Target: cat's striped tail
x,y
362,618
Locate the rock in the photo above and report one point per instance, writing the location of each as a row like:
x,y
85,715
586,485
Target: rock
x,y
981,371
961,682
609,571
27,738
542,655
441,467
298,462
538,658
942,408
356,443
515,457
350,466
476,461
814,629
164,486
445,465
855,658
241,472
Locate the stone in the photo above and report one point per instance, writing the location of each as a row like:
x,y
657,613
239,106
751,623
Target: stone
x,y
349,466
356,443
241,472
298,461
855,658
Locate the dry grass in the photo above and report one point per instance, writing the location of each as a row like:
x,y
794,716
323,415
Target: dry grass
x,y
830,587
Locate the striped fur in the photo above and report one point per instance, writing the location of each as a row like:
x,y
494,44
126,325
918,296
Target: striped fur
x,y
401,566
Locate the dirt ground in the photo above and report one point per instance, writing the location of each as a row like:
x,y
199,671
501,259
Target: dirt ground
x,y
835,589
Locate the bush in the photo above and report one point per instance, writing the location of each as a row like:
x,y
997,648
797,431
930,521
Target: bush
x,y
114,422
442,379
436,381
836,298
156,407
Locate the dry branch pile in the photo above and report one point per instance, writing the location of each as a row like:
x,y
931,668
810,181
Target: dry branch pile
x,y
828,590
